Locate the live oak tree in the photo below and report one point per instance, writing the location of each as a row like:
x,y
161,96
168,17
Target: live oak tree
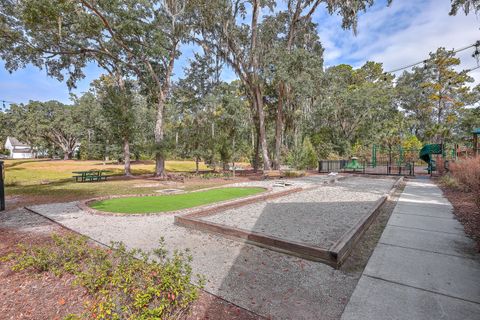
x,y
116,99
51,123
235,31
194,114
352,106
139,38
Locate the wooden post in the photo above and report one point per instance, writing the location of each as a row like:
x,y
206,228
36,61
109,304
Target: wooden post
x,y
2,185
475,145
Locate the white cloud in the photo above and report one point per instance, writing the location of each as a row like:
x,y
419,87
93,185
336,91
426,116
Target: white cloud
x,y
401,34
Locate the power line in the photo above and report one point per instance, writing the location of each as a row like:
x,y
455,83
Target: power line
x,y
6,101
477,52
3,106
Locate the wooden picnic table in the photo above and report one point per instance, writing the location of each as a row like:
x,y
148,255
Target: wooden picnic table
x,y
90,175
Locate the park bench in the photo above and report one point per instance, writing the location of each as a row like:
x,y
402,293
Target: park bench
x,y
90,176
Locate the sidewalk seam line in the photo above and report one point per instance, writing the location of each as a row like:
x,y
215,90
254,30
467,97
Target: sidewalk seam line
x,y
421,289
423,215
394,225
429,251
425,230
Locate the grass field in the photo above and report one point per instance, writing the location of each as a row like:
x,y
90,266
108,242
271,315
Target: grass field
x,y
30,182
32,172
172,202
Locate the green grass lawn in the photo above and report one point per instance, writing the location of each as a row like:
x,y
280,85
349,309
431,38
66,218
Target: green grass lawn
x,y
35,172
172,202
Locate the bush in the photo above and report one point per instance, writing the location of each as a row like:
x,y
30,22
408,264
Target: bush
x,y
309,158
294,174
449,182
304,158
124,284
467,173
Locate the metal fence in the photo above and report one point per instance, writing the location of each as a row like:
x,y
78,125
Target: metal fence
x,y
2,186
365,167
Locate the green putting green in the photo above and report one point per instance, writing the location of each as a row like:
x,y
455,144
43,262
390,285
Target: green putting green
x,y
173,202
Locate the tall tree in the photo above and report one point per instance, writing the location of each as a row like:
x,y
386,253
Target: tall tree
x,y
63,36
465,5
413,98
116,99
352,105
233,29
48,123
448,91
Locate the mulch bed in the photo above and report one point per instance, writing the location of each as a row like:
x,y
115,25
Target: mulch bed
x,y
466,211
28,295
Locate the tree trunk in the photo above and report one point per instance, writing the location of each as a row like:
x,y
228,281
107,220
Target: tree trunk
x,y
196,164
233,157
66,155
126,155
159,158
261,126
278,130
256,157
126,143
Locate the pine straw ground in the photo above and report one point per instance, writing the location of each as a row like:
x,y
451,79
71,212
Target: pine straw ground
x,y
465,210
28,295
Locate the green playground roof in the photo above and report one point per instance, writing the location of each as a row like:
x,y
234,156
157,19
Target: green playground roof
x,y
476,130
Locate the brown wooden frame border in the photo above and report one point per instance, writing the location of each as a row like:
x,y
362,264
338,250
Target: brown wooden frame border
x,y
334,256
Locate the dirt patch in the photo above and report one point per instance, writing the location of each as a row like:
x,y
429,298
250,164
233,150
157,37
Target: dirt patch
x,y
23,292
213,308
465,210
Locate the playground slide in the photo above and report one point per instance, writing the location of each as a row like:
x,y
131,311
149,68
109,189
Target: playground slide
x,y
428,150
426,155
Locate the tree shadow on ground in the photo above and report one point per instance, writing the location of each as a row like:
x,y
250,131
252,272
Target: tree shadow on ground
x,y
281,286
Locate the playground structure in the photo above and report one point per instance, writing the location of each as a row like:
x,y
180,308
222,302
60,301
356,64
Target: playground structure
x,y
396,160
377,161
427,152
445,154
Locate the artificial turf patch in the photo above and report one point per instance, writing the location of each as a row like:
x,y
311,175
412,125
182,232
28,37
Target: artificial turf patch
x,y
173,202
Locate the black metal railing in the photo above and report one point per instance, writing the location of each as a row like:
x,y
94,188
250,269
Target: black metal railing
x,y
325,166
365,167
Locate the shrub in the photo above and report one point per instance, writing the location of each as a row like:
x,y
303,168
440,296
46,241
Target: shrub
x,y
467,173
123,283
309,158
304,157
294,174
449,182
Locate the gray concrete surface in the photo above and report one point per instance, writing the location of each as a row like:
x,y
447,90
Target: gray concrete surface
x,y
424,266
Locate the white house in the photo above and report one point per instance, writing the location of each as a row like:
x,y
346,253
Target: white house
x,y
18,150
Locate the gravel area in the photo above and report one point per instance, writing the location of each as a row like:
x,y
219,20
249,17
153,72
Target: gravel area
x,y
266,282
317,217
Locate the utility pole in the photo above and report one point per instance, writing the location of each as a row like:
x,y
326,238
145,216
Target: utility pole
x,y
2,186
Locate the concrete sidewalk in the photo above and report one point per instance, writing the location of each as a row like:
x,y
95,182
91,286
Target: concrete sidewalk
x,y
424,267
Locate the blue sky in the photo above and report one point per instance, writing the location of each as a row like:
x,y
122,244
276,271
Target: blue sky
x,y
397,35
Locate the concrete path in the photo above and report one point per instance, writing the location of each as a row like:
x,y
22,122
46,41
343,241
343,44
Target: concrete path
x,y
424,267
